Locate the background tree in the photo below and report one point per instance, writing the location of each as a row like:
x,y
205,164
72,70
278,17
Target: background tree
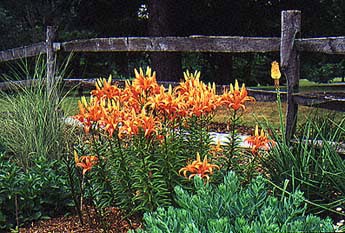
x,y
161,22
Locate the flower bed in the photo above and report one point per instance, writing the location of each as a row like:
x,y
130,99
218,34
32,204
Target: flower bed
x,y
143,145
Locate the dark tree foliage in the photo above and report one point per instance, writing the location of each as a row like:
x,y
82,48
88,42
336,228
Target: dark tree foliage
x,y
23,22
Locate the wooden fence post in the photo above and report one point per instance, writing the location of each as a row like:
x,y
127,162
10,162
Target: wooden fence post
x,y
50,37
290,65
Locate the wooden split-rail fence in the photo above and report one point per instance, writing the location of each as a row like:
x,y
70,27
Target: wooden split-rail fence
x,y
289,45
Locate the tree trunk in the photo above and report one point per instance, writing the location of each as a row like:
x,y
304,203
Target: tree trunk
x,y
161,23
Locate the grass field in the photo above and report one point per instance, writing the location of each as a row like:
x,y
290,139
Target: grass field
x,y
260,112
308,86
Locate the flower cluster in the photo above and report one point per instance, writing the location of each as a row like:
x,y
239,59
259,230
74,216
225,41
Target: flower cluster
x,y
145,108
144,105
235,98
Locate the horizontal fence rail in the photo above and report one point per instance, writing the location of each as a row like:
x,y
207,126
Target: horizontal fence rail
x,y
22,52
329,45
332,101
224,44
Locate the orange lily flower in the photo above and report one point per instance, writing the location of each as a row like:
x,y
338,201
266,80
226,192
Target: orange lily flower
x,y
89,114
191,82
145,83
275,73
259,141
149,124
104,89
236,98
215,149
85,162
199,168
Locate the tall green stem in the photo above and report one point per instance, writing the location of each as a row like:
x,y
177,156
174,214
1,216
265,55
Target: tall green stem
x,y
74,196
280,110
232,138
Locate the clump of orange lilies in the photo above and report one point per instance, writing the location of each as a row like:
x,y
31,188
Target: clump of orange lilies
x,y
143,105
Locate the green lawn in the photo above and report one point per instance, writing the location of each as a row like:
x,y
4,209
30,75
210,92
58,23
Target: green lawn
x,y
268,111
309,86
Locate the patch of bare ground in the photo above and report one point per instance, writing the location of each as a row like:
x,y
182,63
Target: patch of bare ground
x,y
113,222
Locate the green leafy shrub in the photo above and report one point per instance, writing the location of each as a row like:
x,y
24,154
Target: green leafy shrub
x,y
323,71
39,192
229,207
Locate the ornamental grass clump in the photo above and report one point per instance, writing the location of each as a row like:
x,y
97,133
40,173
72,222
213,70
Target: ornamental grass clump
x,y
147,132
32,126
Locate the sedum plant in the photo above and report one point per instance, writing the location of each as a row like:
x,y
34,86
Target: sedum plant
x,y
229,207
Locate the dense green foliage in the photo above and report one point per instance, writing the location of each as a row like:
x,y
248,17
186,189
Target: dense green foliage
x,y
232,208
140,175
37,193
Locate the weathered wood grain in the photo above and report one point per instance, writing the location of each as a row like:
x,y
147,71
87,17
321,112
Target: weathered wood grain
x,y
21,52
329,45
224,44
332,101
290,64
16,85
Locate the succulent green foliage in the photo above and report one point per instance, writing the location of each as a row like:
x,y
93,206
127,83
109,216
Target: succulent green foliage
x,y
229,207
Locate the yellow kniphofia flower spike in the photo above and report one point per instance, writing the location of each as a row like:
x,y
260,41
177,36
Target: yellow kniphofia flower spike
x,y
275,73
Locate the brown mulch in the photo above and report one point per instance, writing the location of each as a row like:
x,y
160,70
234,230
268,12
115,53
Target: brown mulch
x,y
112,222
